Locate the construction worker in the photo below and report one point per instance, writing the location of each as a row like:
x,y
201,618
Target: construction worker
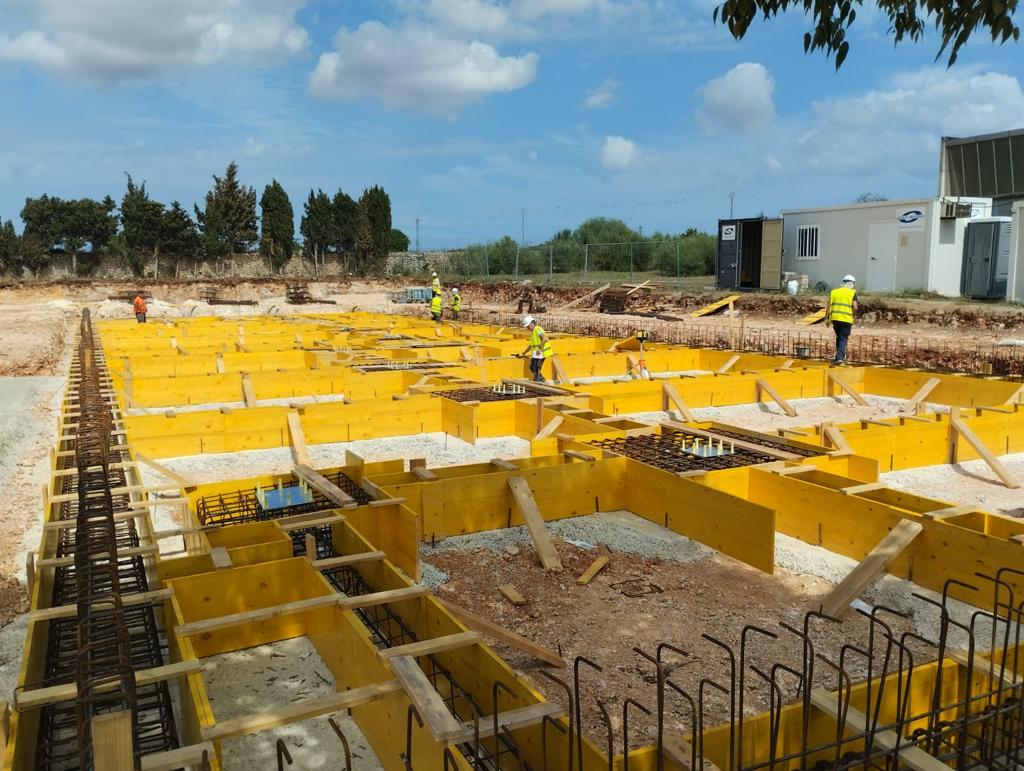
x,y
456,304
435,307
840,313
435,283
140,308
539,348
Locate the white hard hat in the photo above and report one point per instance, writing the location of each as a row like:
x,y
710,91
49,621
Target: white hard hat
x,y
849,277
455,290
433,273
527,320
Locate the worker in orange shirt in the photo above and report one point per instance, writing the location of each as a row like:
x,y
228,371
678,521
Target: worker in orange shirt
x,y
140,308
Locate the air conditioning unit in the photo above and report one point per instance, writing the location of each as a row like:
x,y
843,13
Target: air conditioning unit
x,y
954,210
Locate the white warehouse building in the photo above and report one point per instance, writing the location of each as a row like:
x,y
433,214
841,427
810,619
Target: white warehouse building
x,y
914,244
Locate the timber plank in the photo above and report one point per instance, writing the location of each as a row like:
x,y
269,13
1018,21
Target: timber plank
x,y
762,386
323,485
496,632
512,719
895,541
113,747
595,567
434,645
428,702
535,523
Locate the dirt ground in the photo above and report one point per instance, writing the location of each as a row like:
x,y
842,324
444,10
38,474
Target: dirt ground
x,y
678,604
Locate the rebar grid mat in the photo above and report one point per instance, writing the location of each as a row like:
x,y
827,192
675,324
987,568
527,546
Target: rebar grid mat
x,y
502,393
979,359
680,451
244,506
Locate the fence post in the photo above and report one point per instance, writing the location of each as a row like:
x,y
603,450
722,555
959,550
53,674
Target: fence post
x,y
630,260
551,263
678,280
517,261
586,260
487,267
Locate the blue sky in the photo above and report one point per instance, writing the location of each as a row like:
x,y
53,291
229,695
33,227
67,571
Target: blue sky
x,y
468,111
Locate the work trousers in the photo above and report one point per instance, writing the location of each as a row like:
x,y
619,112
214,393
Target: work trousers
x,y
535,367
140,317
842,329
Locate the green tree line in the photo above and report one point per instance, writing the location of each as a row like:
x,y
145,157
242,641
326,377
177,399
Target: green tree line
x,y
141,228
598,244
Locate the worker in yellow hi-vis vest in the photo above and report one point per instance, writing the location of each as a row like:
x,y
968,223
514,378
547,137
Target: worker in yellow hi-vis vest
x,y
435,307
840,313
539,348
435,283
456,304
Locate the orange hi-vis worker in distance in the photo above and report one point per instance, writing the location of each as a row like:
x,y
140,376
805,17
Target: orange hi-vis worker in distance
x,y
140,308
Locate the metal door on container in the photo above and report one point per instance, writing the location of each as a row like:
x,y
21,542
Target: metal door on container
x,y
881,275
771,254
979,249
728,255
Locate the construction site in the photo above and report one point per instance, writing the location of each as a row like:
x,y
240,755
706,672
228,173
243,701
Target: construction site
x,y
336,534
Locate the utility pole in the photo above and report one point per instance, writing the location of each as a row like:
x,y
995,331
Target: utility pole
x,y
417,235
732,197
522,241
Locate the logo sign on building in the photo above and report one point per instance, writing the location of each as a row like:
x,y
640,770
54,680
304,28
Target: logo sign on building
x,y
911,219
728,232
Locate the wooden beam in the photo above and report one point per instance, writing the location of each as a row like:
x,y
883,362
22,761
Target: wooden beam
x,y
595,567
183,757
318,706
383,598
113,746
301,521
434,645
220,557
247,391
425,698
894,542
913,404
950,511
127,600
512,594
560,374
512,719
527,506
259,614
425,474
345,560
865,488
835,437
762,386
669,395
550,428
324,486
161,469
39,697
681,751
299,452
539,415
582,299
576,455
958,426
908,755
496,632
136,551
850,390
504,465
786,364
728,364
986,667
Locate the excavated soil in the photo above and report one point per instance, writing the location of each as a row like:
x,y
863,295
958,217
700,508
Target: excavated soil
x,y
678,603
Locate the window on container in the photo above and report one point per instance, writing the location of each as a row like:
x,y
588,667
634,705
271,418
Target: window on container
x,y
807,242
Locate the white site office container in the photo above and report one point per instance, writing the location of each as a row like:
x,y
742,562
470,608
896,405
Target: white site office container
x,y
889,246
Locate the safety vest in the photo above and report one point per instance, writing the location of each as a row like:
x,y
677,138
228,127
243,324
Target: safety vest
x,y
841,302
436,285
457,303
535,342
435,304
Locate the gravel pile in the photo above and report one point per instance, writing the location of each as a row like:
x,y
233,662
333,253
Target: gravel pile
x,y
620,531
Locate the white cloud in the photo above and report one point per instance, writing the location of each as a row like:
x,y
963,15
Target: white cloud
x,y
468,16
899,127
124,39
740,100
602,96
416,67
619,153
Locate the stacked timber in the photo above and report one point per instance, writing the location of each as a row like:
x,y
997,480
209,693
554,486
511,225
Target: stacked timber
x,y
615,300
